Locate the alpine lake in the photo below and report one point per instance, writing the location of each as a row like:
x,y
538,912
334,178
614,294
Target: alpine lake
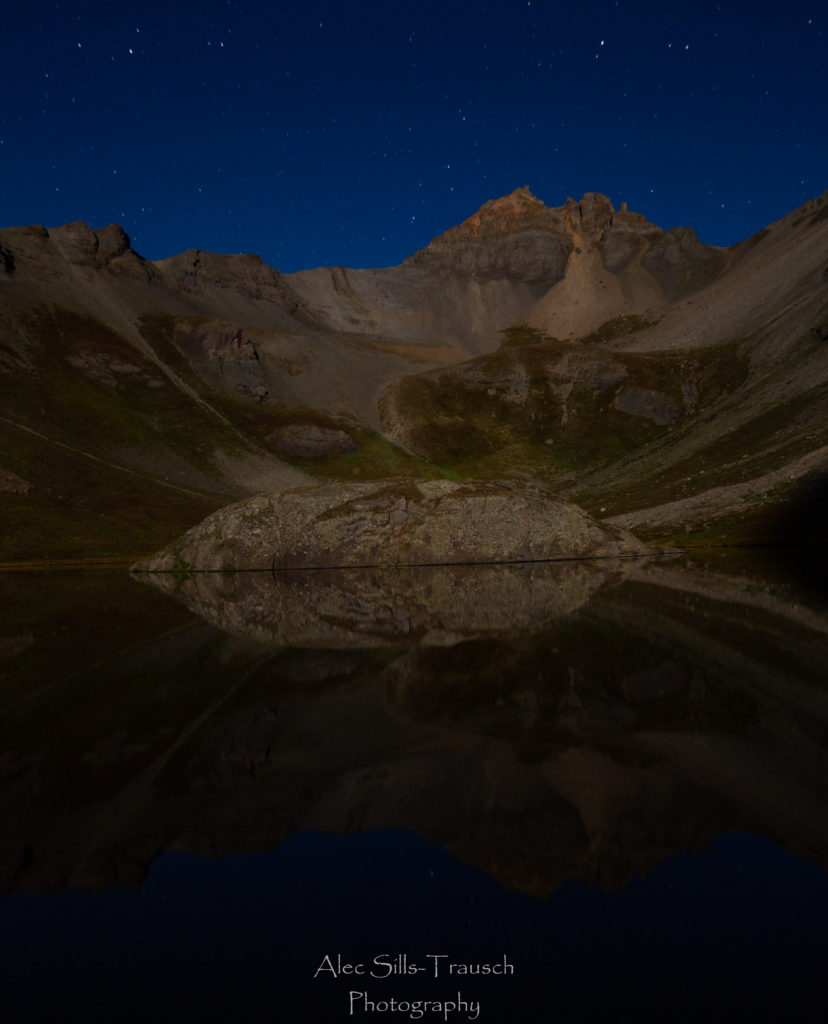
x,y
549,792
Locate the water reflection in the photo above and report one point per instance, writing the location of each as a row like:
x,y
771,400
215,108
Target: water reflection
x,y
544,723
420,606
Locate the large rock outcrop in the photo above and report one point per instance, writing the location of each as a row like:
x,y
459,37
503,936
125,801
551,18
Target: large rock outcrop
x,y
393,522
515,237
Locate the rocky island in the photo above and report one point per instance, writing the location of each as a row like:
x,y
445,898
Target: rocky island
x,y
394,522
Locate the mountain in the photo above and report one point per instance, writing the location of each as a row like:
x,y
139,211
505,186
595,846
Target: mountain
x,y
676,387
518,259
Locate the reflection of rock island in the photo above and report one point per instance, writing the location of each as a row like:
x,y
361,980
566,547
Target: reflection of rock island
x,y
403,606
667,710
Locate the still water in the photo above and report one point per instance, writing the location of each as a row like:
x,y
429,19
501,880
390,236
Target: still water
x,y
563,792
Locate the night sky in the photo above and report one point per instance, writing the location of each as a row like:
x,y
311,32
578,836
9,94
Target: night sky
x,y
351,133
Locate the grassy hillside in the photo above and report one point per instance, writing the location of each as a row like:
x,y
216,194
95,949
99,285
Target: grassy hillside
x,y
106,452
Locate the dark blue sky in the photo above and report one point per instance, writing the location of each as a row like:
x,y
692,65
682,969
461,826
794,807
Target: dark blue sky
x,y
352,133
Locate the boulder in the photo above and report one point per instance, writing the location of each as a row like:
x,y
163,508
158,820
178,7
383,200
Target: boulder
x,y
11,483
309,441
394,522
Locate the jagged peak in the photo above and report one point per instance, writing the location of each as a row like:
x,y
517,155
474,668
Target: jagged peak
x,y
521,209
519,237
75,241
518,211
594,212
81,242
515,236
520,197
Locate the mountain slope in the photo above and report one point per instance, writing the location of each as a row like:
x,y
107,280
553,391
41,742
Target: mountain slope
x,y
631,368
727,386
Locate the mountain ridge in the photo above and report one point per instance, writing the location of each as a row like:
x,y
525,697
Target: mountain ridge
x,y
579,343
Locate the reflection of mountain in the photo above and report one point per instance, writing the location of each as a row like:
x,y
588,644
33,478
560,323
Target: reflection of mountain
x,y
670,708
390,607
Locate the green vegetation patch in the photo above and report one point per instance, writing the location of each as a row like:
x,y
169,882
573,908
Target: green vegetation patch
x,y
375,458
95,391
763,444
523,334
79,508
618,327
554,408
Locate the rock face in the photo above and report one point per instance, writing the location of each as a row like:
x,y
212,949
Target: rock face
x,y
393,522
519,238
309,441
85,247
240,282
516,237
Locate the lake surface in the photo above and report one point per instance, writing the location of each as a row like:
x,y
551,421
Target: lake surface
x,y
584,791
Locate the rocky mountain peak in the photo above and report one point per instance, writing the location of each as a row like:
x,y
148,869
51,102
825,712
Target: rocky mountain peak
x,y
595,213
518,238
515,237
506,213
517,212
76,243
521,210
81,244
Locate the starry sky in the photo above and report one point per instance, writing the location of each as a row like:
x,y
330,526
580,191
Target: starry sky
x,y
324,133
